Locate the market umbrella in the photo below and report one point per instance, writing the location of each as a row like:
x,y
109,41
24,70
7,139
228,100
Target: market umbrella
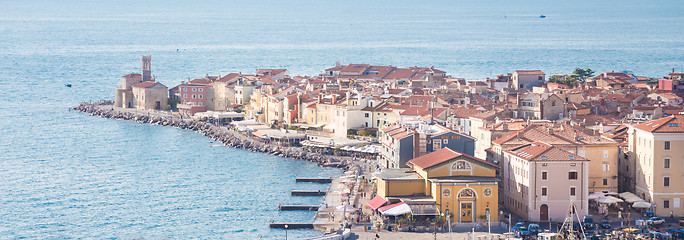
x,y
595,195
641,205
345,208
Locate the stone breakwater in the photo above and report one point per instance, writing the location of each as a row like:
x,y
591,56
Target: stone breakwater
x,y
226,136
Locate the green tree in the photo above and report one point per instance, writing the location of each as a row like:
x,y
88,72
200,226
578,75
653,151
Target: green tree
x,y
582,74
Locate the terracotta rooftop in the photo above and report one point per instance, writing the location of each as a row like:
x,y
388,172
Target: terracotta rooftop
x,y
132,75
538,151
146,84
442,155
564,135
671,124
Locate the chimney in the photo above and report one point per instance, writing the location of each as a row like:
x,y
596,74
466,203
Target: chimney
x,y
320,98
334,99
504,126
337,64
550,130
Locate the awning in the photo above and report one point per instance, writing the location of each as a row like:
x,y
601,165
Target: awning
x,y
424,209
641,205
376,202
630,197
604,199
395,209
595,195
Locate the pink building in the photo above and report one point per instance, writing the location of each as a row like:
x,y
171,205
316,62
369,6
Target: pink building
x,y
541,181
193,97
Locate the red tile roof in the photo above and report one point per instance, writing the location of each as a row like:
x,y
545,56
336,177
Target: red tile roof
x,y
132,75
671,124
441,156
228,77
145,84
538,151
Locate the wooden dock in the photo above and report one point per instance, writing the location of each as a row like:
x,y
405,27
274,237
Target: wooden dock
x,y
314,180
308,193
298,207
291,225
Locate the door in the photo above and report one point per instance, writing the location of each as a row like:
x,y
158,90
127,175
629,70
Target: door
x,y
544,213
466,212
157,105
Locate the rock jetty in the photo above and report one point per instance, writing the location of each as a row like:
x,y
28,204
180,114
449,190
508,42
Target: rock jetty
x,y
226,136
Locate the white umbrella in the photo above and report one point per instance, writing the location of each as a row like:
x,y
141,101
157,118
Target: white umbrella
x,y
641,205
615,199
595,195
345,208
605,200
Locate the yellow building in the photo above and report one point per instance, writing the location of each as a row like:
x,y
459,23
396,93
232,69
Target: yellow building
x,y
444,181
655,147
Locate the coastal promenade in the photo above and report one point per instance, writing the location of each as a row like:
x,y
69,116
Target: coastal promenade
x,y
223,134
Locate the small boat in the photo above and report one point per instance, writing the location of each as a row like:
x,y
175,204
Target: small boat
x,y
67,85
542,16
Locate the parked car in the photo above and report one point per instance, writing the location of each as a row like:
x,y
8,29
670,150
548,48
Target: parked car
x,y
533,228
605,225
516,226
655,221
588,222
522,232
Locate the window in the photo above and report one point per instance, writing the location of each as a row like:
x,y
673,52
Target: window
x,y
667,145
572,191
185,96
666,163
606,167
193,96
366,114
544,192
666,203
666,181
194,89
540,78
572,175
446,141
201,89
436,145
553,103
201,96
605,182
201,104
185,89
545,175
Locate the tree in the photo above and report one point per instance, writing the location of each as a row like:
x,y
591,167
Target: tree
x,y
567,80
582,74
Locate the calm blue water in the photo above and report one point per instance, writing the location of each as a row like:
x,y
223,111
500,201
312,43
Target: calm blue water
x,y
68,175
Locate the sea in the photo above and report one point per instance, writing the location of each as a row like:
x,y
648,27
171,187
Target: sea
x,y
67,175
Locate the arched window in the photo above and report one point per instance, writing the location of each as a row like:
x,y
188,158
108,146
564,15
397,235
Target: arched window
x,y
466,193
461,166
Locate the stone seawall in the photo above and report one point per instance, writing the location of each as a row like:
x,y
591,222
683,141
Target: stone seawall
x,y
226,136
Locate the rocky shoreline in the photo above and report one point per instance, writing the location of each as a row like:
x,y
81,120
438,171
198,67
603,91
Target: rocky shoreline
x,y
228,137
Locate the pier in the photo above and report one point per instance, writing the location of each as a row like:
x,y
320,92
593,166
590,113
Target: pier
x,y
308,193
291,225
298,207
314,180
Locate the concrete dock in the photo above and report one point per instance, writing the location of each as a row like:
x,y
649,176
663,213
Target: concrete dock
x,y
308,193
314,180
291,225
298,207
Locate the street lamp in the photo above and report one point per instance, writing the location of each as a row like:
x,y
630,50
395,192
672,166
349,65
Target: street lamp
x,y
286,231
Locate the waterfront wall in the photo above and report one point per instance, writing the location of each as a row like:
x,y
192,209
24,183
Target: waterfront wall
x,y
228,137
